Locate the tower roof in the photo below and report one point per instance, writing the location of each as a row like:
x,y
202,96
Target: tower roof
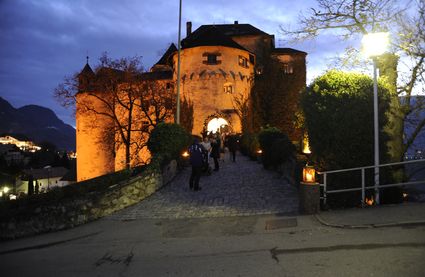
x,y
288,51
165,59
87,71
209,35
236,29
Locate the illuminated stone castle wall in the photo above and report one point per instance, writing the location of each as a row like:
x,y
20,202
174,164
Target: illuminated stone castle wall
x,y
218,63
212,87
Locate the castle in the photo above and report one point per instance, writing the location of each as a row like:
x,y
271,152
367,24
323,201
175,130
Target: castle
x,y
218,63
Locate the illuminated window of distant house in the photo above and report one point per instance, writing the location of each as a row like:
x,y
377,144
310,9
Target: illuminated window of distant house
x,y
243,61
211,58
288,68
228,88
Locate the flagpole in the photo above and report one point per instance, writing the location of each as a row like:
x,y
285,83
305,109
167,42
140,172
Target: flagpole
x,y
178,65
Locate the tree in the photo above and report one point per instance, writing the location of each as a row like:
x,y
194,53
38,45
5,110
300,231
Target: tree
x,y
350,19
133,101
275,96
340,124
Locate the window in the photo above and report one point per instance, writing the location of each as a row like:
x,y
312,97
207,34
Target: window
x,y
211,58
145,126
288,68
228,88
243,61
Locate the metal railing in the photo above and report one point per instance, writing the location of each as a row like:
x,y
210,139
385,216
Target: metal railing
x,y
363,187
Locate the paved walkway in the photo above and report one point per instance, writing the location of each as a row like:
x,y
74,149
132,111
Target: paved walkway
x,y
241,188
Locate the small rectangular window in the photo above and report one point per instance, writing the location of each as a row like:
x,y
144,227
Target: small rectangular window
x,y
211,58
288,68
228,89
145,125
243,61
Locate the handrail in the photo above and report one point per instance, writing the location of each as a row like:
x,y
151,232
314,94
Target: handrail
x,y
363,187
368,167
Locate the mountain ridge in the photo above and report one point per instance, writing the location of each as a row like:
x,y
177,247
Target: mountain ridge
x,y
37,123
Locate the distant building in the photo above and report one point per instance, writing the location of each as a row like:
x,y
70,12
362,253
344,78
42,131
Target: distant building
x,y
27,146
45,178
218,64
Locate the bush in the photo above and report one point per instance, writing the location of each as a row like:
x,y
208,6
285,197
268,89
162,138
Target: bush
x,y
276,147
168,140
249,145
338,109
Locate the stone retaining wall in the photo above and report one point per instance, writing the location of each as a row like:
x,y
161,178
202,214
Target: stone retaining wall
x,y
75,211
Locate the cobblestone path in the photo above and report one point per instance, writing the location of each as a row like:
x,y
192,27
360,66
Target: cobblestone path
x,y
240,188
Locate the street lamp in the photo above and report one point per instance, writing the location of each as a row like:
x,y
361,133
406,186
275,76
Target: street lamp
x,y
375,44
178,65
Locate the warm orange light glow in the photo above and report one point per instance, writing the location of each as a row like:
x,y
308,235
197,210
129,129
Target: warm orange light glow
x,y
185,154
309,174
259,151
306,145
369,201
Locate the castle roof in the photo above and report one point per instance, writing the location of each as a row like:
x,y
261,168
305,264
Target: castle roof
x,y
288,51
209,35
237,29
87,71
165,59
157,75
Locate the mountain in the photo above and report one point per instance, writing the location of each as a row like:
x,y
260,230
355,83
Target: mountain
x,y
411,123
37,123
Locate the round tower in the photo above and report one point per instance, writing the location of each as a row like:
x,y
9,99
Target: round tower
x,y
215,72
95,150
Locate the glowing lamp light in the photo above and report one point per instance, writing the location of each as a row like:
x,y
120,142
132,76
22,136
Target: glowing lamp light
x,y
259,151
185,154
309,174
375,44
306,145
369,201
5,190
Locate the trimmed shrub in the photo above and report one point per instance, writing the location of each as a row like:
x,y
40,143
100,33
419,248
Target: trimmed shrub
x,y
249,145
168,140
276,147
338,109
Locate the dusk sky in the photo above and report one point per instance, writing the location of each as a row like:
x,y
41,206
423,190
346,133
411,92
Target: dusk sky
x,y
42,41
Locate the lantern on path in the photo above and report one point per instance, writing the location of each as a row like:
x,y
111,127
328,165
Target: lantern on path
x,y
309,174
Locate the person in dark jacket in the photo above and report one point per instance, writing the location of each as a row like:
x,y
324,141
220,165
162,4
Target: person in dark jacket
x,y
215,151
196,160
232,143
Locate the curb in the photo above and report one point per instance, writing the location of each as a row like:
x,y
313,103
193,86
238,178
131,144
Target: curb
x,y
45,245
369,226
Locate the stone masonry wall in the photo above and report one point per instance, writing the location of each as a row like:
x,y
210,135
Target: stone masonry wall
x,y
72,212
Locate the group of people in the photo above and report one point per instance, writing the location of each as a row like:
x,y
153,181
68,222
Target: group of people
x,y
214,147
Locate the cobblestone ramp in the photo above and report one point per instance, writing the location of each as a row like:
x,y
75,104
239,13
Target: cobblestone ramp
x,y
238,189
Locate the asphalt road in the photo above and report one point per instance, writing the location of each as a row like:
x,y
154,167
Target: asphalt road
x,y
226,246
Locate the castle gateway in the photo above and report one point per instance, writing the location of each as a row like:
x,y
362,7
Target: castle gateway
x,y
219,64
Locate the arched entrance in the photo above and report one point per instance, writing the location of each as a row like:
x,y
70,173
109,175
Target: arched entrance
x,y
218,124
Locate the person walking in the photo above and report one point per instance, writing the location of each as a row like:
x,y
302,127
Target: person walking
x,y
196,160
215,151
207,147
232,143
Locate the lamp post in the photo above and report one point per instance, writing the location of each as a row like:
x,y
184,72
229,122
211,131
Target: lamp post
x,y
178,66
375,44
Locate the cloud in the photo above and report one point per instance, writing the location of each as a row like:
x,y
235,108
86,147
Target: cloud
x,y
45,40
